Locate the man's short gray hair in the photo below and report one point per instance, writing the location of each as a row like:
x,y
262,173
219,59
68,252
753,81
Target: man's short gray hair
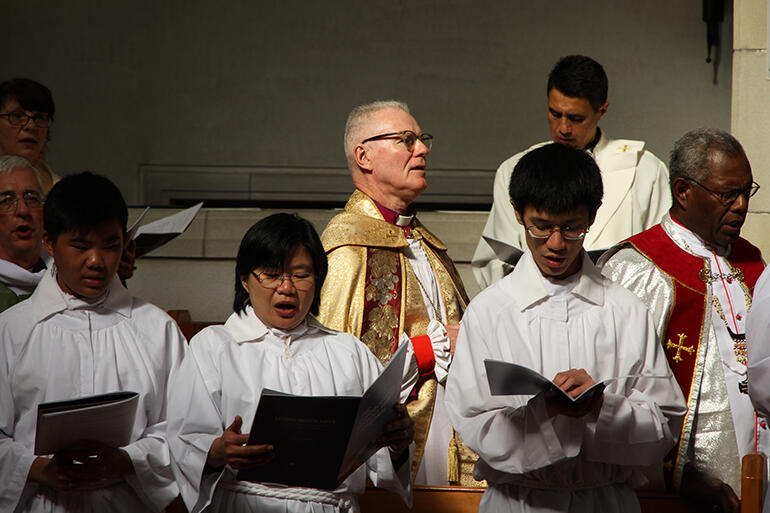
x,y
9,163
691,155
361,114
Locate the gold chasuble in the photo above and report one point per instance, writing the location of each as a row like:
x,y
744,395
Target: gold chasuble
x,y
372,292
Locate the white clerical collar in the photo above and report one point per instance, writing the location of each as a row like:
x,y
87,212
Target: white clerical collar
x,y
247,327
556,287
403,220
49,298
530,288
688,240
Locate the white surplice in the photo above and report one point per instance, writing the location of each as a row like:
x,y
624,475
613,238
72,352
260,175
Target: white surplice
x,y
223,376
56,347
636,195
433,467
534,463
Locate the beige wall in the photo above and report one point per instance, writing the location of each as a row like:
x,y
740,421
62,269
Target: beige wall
x,y
751,110
243,83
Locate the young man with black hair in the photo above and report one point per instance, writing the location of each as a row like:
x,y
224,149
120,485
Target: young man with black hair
x,y
80,334
558,316
635,180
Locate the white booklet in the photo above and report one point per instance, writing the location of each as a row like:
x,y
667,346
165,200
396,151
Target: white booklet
x,y
157,233
320,440
106,418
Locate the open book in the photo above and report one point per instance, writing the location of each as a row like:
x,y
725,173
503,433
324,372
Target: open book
x,y
506,378
157,233
319,441
105,418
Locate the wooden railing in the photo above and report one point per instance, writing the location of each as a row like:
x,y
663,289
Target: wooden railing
x,y
466,500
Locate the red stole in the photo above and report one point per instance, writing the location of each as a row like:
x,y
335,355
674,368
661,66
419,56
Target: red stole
x,y
686,319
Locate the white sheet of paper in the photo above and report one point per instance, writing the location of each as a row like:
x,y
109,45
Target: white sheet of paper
x,y
176,223
504,251
375,412
157,233
131,231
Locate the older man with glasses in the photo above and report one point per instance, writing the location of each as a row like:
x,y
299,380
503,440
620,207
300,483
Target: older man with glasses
x,y
696,275
23,260
391,280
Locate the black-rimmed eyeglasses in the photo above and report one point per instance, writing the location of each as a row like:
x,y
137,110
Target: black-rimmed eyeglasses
x,y
22,118
407,137
727,198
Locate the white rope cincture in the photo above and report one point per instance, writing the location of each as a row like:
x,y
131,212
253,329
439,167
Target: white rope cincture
x,y
342,501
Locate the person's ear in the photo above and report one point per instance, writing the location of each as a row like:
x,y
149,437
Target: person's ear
x,y
681,192
603,109
48,243
593,215
245,283
519,217
363,157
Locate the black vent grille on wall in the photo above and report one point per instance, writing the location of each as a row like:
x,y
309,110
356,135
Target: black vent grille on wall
x,y
296,187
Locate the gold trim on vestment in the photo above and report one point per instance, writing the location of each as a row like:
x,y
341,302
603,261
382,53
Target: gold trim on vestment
x,y
359,239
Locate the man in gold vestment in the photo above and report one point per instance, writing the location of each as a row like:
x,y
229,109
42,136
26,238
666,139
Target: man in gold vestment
x,y
389,277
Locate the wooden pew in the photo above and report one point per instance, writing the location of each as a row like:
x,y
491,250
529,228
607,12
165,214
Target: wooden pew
x,y
466,500
188,327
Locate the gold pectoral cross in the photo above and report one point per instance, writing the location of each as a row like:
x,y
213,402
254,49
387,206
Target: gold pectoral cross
x,y
625,148
679,347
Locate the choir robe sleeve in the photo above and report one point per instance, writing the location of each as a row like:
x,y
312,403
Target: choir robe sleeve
x,y
640,416
153,478
501,225
194,422
512,434
15,457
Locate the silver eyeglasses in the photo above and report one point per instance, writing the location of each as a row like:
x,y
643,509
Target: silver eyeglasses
x,y
9,202
407,137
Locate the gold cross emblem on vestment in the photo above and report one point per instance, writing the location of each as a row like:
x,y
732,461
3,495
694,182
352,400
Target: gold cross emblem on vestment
x,y
679,347
625,148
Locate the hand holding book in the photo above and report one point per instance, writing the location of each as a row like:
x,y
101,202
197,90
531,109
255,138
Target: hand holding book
x,y
399,433
574,382
89,466
232,449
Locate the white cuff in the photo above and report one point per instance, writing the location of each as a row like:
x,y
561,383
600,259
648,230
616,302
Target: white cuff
x,y
441,349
